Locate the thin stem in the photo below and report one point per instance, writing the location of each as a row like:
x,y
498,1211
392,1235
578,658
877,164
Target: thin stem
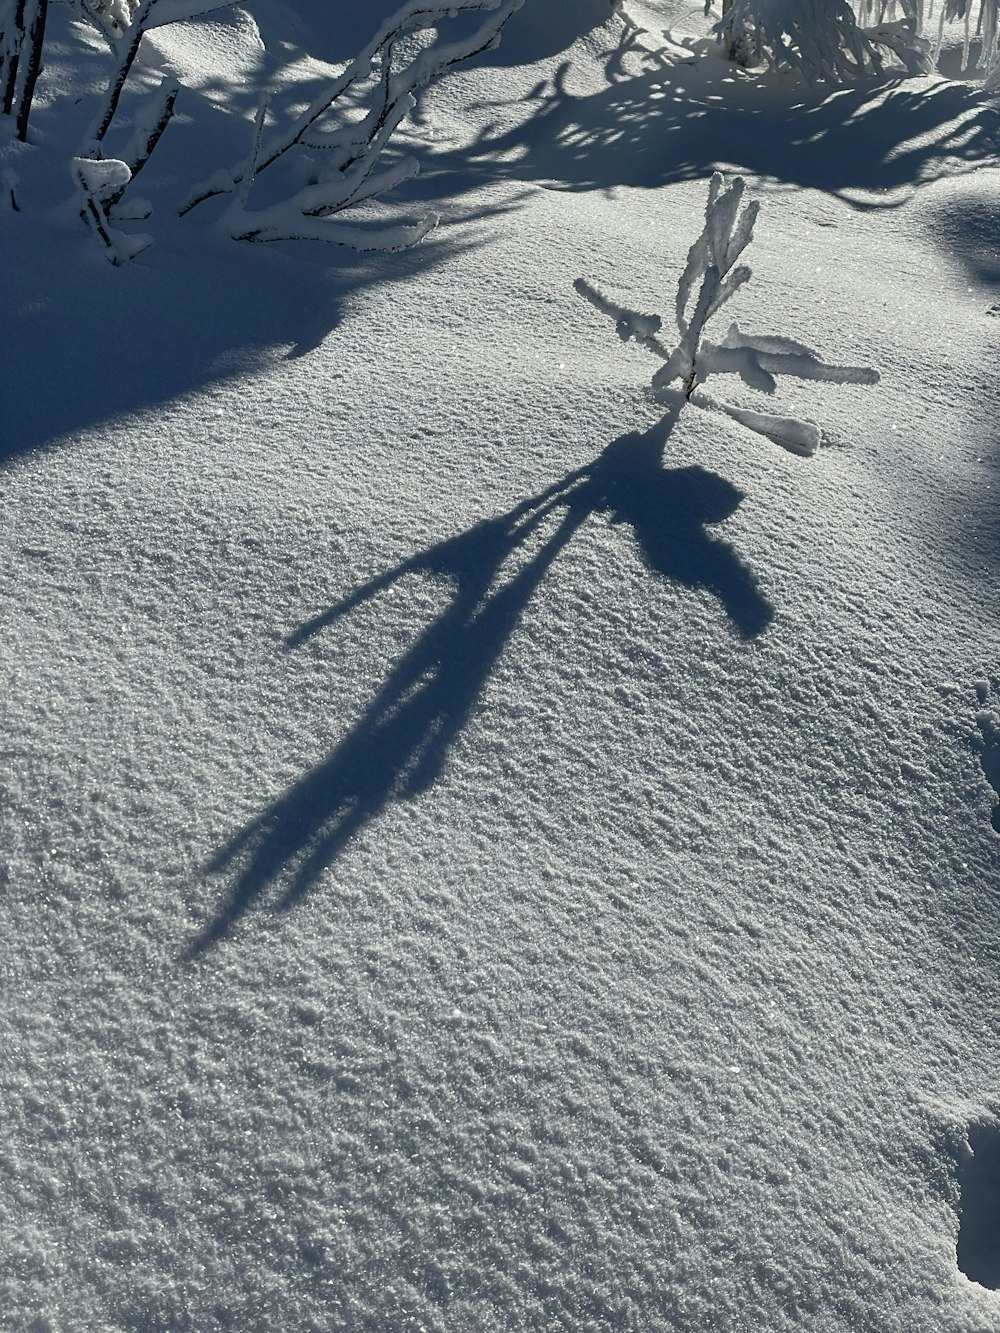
x,y
36,39
13,59
131,50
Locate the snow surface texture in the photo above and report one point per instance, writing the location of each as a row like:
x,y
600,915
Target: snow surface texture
x,y
478,851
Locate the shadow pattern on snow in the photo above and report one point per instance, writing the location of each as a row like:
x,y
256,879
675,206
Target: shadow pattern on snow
x,y
95,343
978,1249
399,747
682,119
964,226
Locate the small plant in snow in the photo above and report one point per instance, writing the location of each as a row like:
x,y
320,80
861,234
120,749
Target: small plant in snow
x,y
713,270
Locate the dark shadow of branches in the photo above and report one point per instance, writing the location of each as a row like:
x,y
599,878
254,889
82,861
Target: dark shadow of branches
x,y
96,343
399,747
683,118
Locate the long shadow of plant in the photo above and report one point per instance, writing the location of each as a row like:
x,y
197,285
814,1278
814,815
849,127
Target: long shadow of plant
x,y
399,747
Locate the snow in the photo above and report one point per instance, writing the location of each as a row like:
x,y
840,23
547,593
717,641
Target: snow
x,y
482,849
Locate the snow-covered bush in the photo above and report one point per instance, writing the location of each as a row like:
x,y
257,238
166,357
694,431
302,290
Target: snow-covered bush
x,y
104,180
115,14
348,128
712,269
836,40
344,134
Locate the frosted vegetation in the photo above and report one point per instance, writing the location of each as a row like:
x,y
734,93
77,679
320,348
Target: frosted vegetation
x,y
712,271
341,143
340,139
835,40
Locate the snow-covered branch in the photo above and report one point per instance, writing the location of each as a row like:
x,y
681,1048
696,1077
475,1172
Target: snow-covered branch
x,y
101,181
712,270
350,126
630,324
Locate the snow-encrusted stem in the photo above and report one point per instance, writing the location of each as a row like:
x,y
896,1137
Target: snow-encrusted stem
x,y
126,50
32,67
401,237
691,339
250,174
798,436
147,136
630,324
99,179
13,40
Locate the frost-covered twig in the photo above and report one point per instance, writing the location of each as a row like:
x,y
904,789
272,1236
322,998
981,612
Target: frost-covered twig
x,y
629,323
712,269
100,181
384,84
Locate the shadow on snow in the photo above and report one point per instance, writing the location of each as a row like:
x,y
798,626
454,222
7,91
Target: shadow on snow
x,y
399,747
91,343
685,117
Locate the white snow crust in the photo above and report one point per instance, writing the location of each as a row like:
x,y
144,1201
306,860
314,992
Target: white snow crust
x,y
480,849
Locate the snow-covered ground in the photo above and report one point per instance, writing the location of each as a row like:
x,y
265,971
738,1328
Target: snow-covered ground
x,y
480,849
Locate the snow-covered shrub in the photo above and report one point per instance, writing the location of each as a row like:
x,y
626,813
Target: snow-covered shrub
x,y
712,269
836,40
341,140
822,39
350,126
102,180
